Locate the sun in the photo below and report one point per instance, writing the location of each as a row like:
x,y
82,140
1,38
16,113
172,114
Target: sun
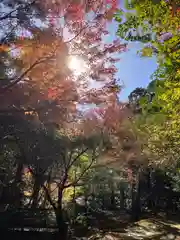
x,y
77,65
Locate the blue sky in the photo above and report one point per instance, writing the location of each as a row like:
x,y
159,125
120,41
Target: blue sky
x,y
133,70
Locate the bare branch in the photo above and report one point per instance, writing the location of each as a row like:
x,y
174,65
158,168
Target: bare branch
x,y
9,15
82,174
70,40
76,158
8,34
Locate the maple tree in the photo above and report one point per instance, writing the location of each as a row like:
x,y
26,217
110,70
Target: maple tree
x,y
42,60
38,88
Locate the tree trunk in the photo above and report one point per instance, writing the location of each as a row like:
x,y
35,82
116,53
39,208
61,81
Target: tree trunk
x,y
136,208
36,189
149,187
17,188
48,190
62,226
103,201
74,204
112,195
122,197
112,198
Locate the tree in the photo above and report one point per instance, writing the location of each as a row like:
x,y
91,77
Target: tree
x,y
124,152
61,175
39,93
142,22
60,85
160,21
51,159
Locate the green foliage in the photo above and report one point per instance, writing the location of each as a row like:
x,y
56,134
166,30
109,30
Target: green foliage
x,y
154,19
161,114
118,15
129,5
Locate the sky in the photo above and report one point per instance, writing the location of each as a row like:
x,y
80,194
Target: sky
x,y
133,71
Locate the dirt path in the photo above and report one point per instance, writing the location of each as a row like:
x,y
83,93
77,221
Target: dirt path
x,y
114,226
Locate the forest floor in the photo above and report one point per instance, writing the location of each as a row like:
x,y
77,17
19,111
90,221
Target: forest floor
x,y
111,225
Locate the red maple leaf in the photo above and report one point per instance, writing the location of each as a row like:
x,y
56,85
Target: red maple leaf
x,y
52,93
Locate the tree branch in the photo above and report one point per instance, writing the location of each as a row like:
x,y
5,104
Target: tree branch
x,y
49,197
82,174
37,62
46,190
8,15
75,159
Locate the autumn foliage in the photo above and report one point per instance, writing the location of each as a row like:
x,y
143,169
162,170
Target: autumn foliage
x,y
42,80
